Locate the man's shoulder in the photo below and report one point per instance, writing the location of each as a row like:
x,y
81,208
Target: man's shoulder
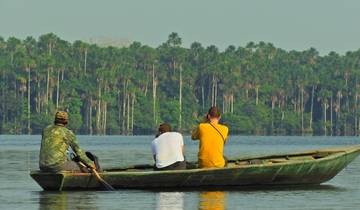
x,y
49,128
61,129
203,125
177,134
168,135
224,126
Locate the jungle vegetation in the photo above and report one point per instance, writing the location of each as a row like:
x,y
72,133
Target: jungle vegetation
x,y
261,89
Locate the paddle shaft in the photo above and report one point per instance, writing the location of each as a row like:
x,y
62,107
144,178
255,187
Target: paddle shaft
x,y
101,180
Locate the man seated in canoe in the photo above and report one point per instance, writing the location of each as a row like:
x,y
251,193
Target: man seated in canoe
x,y
168,149
55,142
212,136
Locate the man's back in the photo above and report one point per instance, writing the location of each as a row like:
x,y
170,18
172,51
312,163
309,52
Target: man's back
x,y
54,145
167,149
211,144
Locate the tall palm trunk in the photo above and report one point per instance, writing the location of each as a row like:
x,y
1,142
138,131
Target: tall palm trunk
x,y
119,108
57,89
355,118
38,97
212,90
232,103
312,107
224,104
104,124
28,101
355,109
202,98
331,114
216,92
257,95
302,110
98,113
47,85
3,105
85,60
128,114
273,101
132,113
104,112
325,107
346,103
180,97
154,86
16,112
90,117
339,95
124,106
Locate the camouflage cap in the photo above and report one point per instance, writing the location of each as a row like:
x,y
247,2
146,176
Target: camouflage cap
x,y
61,115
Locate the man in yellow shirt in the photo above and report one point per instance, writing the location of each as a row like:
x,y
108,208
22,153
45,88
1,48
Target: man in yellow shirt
x,y
212,136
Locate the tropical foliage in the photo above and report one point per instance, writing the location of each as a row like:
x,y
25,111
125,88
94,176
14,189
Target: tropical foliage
x,y
261,89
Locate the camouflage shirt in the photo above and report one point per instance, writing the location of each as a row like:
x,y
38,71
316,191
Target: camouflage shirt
x,y
55,143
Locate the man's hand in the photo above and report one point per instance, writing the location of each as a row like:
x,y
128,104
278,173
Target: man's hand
x,y
93,167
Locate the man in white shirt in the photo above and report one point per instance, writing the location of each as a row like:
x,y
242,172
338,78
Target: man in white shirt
x,y
168,149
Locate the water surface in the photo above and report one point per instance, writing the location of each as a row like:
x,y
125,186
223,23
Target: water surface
x,y
19,154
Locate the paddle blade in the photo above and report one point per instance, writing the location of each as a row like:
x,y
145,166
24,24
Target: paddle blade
x,y
106,185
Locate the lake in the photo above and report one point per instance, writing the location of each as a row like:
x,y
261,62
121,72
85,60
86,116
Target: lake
x,y
19,155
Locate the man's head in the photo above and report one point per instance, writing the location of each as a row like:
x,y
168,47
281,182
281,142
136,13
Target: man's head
x,y
213,114
61,117
163,128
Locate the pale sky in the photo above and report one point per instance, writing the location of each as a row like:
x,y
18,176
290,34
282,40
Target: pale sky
x,y
327,25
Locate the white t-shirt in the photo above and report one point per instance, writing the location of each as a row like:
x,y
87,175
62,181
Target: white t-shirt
x,y
167,149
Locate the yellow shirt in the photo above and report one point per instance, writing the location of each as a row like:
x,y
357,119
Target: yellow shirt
x,y
211,147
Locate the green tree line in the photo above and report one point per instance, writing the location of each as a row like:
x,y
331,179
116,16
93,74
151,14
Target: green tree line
x,y
261,89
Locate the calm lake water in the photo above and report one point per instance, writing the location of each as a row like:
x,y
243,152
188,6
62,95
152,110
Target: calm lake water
x,y
19,154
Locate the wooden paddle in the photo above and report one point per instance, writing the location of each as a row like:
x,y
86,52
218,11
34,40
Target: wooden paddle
x,y
93,170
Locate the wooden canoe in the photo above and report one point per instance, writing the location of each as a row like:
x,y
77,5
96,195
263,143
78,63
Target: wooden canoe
x,y
304,168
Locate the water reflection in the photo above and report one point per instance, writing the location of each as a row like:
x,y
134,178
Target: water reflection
x,y
212,200
170,200
66,200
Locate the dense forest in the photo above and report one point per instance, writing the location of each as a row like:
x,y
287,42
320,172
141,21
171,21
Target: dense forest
x,y
261,89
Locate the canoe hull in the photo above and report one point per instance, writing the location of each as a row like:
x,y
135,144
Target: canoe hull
x,y
307,172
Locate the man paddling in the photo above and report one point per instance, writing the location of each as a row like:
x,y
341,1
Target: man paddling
x,y
55,142
212,136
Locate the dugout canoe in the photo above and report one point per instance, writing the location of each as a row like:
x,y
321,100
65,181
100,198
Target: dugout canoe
x,y
303,168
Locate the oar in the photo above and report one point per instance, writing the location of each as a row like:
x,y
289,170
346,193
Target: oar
x,y
101,180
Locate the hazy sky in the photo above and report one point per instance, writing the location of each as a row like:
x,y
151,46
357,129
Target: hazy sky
x,y
327,25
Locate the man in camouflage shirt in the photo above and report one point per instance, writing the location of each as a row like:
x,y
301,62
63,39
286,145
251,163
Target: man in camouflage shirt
x,y
55,143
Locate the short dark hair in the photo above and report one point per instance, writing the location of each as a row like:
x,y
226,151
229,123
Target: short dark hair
x,y
214,112
164,127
